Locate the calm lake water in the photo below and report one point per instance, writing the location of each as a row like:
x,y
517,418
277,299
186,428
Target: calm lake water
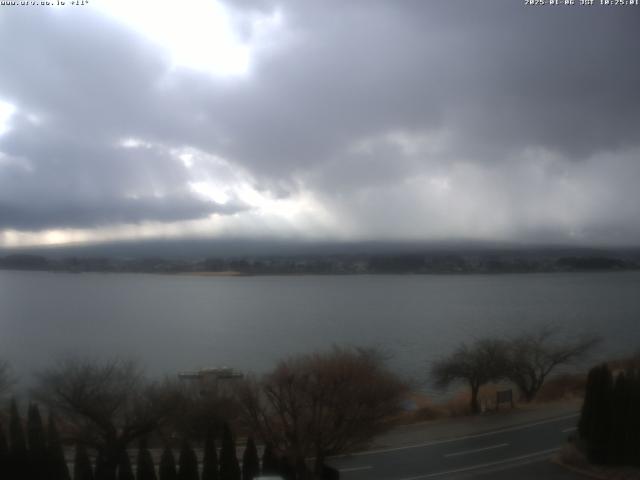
x,y
172,323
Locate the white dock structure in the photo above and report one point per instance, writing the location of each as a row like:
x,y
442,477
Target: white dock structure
x,y
212,379
211,373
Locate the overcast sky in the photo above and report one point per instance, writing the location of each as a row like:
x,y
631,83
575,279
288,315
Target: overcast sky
x,y
324,119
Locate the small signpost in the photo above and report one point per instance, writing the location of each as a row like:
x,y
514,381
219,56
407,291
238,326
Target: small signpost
x,y
504,396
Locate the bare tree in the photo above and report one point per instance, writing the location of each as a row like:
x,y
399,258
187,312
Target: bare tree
x,y
107,404
201,408
322,404
482,362
534,355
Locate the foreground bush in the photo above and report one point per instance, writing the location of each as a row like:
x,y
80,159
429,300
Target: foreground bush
x,y
609,423
322,404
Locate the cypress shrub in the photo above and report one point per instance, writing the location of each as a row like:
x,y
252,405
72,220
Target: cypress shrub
x,y
101,470
585,424
602,417
250,461
620,413
270,464
82,465
168,465
4,454
595,424
286,470
229,467
125,472
57,464
144,468
330,473
632,447
4,446
18,453
610,419
38,467
210,458
188,463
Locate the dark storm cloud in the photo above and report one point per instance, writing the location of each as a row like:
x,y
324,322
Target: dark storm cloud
x,y
354,101
96,213
497,74
89,84
531,98
55,180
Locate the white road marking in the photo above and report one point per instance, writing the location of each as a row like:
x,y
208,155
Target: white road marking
x,y
355,469
466,437
571,429
467,452
484,465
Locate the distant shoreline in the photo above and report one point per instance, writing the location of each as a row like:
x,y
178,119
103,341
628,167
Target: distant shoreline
x,y
225,273
234,273
426,263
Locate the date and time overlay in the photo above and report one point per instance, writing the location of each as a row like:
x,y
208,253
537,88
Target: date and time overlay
x,y
569,3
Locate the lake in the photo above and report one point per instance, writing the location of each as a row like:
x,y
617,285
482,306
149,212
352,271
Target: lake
x,y
172,323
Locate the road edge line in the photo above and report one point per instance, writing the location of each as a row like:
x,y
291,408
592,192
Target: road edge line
x,y
475,450
464,437
541,453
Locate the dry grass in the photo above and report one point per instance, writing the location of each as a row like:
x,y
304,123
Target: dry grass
x,y
456,406
425,410
429,412
631,362
572,386
571,455
559,388
562,387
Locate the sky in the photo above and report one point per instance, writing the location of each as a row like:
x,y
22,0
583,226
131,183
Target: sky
x,y
403,120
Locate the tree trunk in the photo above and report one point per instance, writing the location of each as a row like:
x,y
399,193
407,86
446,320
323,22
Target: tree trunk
x,y
301,469
528,395
105,467
475,405
529,392
109,459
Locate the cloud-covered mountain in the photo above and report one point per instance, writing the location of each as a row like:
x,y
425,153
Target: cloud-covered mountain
x,y
353,120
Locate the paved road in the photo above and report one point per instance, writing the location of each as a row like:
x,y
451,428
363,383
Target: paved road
x,y
472,456
537,469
